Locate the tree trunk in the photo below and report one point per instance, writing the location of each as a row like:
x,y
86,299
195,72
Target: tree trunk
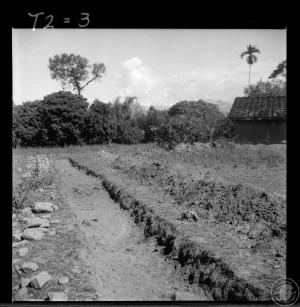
x,y
249,76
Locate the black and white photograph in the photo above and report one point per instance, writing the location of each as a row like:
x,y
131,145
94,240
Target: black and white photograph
x,y
149,165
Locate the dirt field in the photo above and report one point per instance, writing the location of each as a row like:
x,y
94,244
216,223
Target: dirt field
x,y
238,195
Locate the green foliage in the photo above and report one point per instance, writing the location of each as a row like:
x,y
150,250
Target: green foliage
x,y
250,53
153,120
128,134
62,114
182,129
190,121
26,124
224,129
100,123
266,88
280,71
72,70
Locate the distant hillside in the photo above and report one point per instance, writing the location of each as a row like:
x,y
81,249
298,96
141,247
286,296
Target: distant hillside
x,y
224,106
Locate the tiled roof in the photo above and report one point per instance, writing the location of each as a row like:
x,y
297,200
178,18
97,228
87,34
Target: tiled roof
x,y
258,108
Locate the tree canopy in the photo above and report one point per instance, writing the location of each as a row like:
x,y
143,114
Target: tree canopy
x,y
73,71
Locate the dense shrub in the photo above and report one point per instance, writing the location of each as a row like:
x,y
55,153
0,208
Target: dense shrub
x,y
182,129
153,120
100,123
26,124
224,129
128,134
63,115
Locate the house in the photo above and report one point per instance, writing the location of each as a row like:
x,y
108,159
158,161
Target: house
x,y
259,119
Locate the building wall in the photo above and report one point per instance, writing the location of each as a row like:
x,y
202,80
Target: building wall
x,y
260,131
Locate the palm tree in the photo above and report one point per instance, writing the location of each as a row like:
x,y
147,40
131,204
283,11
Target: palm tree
x,y
251,57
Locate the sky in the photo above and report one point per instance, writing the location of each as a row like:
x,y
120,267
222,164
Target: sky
x,y
160,67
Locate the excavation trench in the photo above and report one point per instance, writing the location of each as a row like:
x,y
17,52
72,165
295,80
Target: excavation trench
x,y
124,265
200,267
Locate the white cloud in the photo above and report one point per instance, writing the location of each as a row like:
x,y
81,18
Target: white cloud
x,y
135,78
221,81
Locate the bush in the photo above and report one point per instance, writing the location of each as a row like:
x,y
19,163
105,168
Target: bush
x,y
100,123
182,129
62,115
128,134
224,129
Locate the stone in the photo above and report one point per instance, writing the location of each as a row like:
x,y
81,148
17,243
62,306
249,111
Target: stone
x,y
14,261
43,207
22,252
21,295
45,224
24,282
57,296
27,212
14,224
41,190
63,280
55,207
29,267
56,221
39,280
32,234
14,216
16,244
34,222
44,229
17,236
46,216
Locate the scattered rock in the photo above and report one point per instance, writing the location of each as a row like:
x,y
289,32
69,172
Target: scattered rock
x,y
22,252
24,282
16,244
32,234
46,216
63,280
27,212
45,224
21,295
17,236
39,280
34,222
57,296
57,221
44,229
29,267
43,207
14,261
41,190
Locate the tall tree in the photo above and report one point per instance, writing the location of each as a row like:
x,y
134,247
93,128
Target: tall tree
x,y
280,71
251,57
73,70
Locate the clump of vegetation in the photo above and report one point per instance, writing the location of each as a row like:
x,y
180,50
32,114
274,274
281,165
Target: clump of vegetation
x,y
33,180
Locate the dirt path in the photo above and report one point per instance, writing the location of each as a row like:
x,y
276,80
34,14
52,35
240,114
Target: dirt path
x,y
124,266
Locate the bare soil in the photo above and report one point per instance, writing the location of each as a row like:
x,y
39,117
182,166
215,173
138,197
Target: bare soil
x,y
251,241
124,266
